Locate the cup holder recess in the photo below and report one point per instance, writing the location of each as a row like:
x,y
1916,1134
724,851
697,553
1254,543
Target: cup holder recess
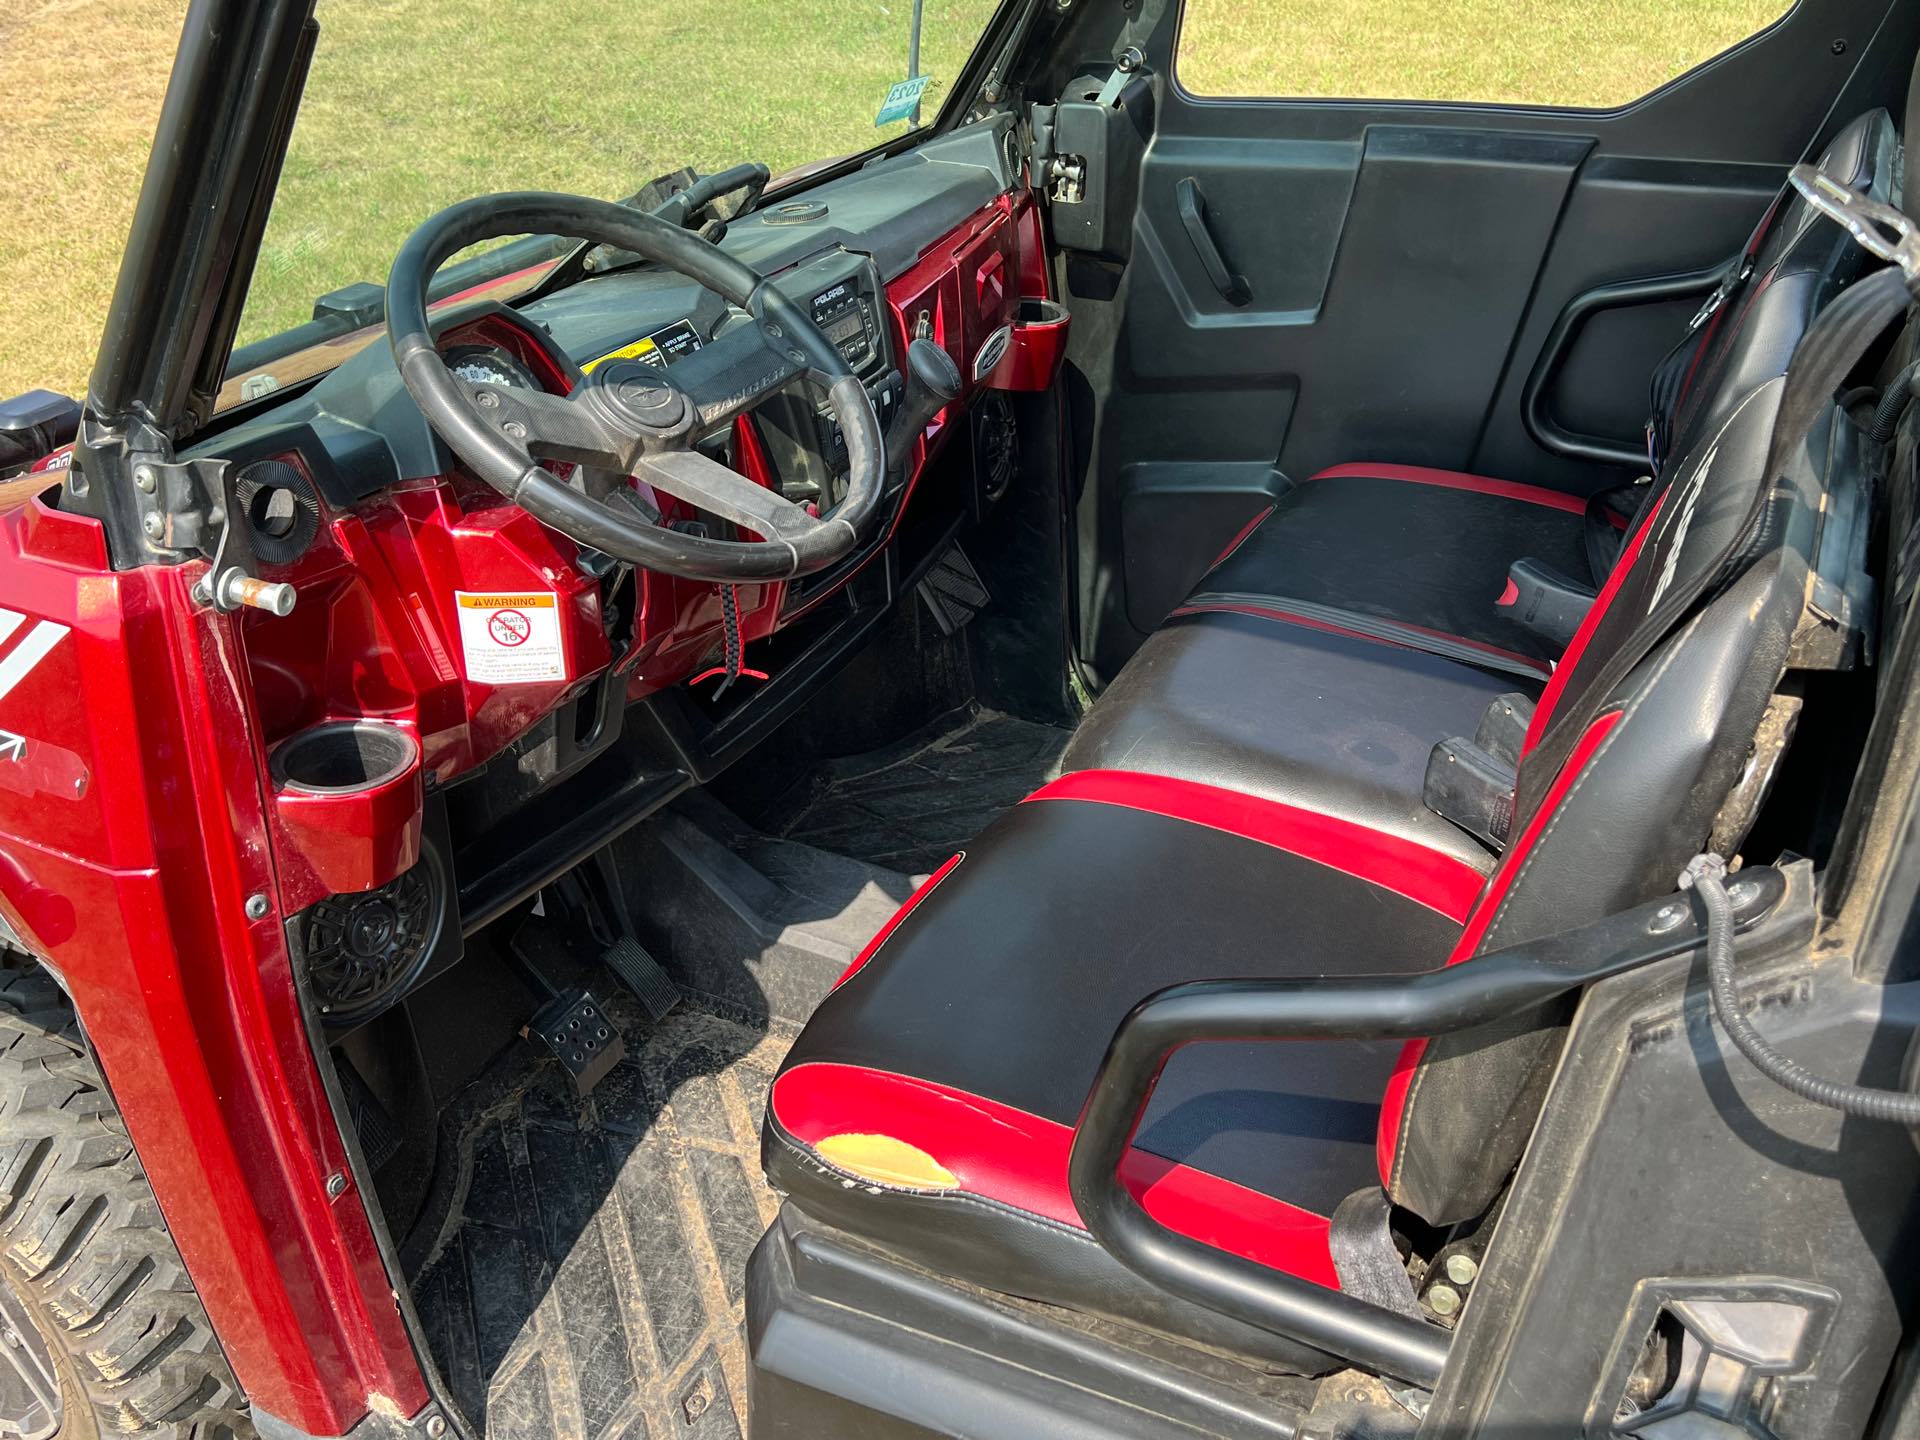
x,y
1036,311
1039,336
344,757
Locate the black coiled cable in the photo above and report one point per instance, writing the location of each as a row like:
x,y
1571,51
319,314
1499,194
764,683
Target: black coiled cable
x,y
1706,874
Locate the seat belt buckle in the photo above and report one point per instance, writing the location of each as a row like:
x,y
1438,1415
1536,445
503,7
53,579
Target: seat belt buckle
x,y
1472,788
1545,601
1881,230
1471,782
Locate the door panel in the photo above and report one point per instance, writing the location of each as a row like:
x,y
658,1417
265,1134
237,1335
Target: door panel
x,y
1404,265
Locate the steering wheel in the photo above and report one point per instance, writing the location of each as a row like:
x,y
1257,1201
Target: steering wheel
x,y
628,418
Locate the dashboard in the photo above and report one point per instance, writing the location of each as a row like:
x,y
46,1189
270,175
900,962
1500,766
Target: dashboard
x,y
941,242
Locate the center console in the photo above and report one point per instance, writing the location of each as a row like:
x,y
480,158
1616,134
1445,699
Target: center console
x,y
843,294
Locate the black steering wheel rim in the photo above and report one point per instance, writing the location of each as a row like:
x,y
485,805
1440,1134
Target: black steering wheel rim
x,y
620,406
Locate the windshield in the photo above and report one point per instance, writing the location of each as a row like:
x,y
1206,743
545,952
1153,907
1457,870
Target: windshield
x,y
411,107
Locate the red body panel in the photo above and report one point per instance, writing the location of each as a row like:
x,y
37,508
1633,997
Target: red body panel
x,y
135,884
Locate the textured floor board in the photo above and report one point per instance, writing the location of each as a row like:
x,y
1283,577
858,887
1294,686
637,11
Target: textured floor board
x,y
910,806
586,1282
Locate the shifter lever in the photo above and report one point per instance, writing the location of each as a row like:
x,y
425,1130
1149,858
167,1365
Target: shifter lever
x,y
933,383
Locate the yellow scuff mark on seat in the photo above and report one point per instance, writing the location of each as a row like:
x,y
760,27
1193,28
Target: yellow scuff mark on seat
x,y
887,1161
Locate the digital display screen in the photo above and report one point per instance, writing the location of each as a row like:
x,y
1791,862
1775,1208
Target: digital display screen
x,y
847,327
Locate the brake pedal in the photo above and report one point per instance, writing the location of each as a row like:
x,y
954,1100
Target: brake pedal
x,y
570,1025
953,591
576,1031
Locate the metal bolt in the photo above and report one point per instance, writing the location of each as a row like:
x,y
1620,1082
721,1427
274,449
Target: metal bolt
x,y
257,907
336,1185
695,1405
1744,892
153,525
488,400
1667,917
515,429
1461,1269
1839,47
1443,1300
144,478
436,1426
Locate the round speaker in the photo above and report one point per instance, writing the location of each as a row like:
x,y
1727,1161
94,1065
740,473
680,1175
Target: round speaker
x,y
281,510
364,951
996,444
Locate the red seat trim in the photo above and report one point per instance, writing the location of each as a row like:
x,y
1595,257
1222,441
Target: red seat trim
x,y
1393,1107
1458,480
1241,538
873,946
1275,609
1589,623
1427,877
1020,1159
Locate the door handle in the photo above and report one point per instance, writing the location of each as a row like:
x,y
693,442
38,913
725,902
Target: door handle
x,y
1192,205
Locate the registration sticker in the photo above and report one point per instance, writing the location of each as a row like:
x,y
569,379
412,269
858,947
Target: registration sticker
x,y
902,100
511,639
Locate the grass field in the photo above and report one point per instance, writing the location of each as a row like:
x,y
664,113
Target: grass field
x,y
416,103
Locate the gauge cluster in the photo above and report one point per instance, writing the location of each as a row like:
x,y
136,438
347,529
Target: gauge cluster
x,y
489,365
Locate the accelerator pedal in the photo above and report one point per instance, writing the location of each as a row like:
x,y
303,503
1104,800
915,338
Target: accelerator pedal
x,y
605,904
953,591
628,959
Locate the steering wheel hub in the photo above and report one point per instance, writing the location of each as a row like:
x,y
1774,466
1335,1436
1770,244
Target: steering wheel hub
x,y
642,397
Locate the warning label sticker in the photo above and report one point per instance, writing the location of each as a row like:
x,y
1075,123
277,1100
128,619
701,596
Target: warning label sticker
x,y
511,639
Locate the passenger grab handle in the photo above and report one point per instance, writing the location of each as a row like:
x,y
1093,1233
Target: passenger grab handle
x,y
1192,205
1770,908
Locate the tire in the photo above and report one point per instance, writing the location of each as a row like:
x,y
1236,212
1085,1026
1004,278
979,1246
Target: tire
x,y
84,1255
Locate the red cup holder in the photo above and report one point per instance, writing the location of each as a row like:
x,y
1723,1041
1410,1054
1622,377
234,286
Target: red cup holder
x,y
343,757
1039,343
348,798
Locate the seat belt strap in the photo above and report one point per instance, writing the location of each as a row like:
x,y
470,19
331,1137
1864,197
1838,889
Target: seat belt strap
x,y
1832,346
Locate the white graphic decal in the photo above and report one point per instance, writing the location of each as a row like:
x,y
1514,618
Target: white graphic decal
x,y
18,663
1695,483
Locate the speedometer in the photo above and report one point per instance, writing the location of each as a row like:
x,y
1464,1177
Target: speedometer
x,y
489,365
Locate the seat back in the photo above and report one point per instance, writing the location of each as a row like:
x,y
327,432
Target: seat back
x,y
1794,263
1617,790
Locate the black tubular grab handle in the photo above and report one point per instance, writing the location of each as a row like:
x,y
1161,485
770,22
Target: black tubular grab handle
x,y
1371,1007
1542,428
1192,206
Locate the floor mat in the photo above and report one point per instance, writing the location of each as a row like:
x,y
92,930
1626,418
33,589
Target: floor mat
x,y
581,1278
910,806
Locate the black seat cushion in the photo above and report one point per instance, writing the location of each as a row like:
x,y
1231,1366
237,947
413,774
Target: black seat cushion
x,y
929,1104
1427,550
1297,709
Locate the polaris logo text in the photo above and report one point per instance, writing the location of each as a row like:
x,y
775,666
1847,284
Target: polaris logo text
x,y
16,664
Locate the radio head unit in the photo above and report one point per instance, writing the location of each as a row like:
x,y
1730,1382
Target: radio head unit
x,y
849,318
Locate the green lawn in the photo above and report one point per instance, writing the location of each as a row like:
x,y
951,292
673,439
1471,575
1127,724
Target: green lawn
x,y
1594,53
414,104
